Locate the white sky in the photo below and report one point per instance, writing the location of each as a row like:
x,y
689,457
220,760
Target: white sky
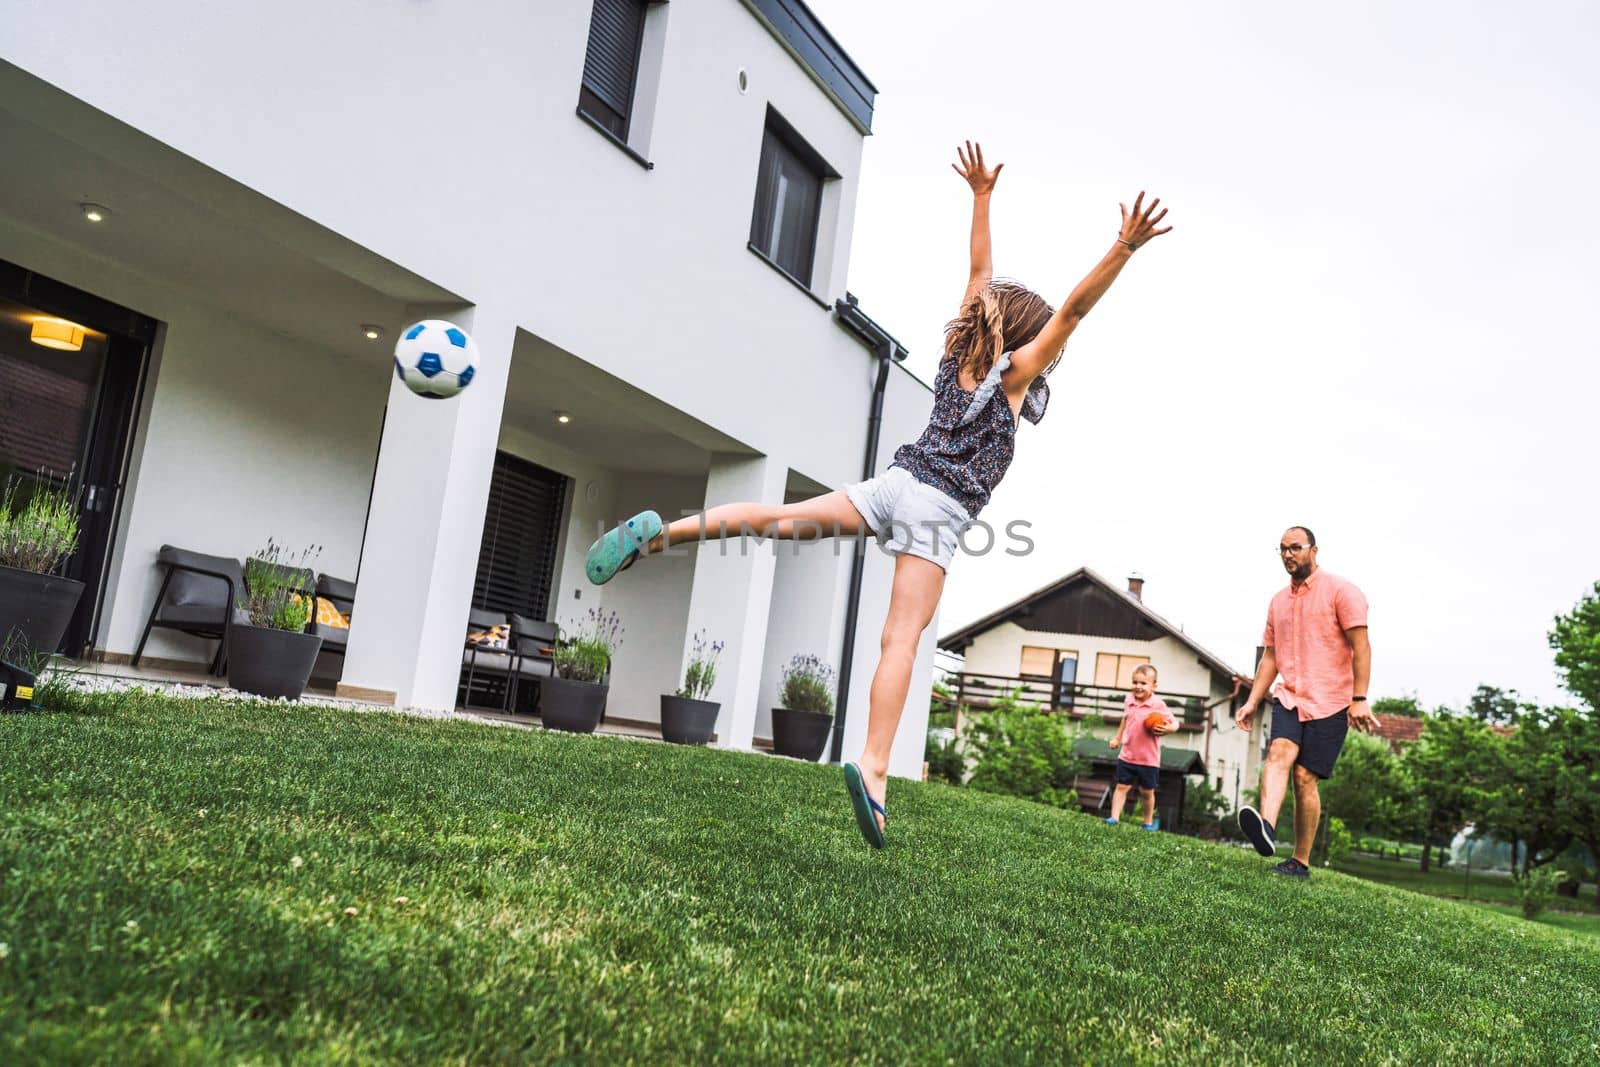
x,y
1375,315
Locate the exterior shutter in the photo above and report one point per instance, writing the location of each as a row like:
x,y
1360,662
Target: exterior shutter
x,y
521,530
615,32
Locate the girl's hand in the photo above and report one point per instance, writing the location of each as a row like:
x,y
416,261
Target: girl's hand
x,y
974,172
1139,225
1116,741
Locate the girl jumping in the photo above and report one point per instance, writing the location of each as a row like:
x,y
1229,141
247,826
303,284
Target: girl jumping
x,y
997,353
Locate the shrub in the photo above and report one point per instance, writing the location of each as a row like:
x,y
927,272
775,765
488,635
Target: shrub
x,y
586,656
271,596
807,685
1205,807
701,674
1537,890
945,761
1340,841
36,534
1024,752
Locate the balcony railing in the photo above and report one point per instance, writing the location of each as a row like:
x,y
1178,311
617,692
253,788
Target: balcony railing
x,y
979,692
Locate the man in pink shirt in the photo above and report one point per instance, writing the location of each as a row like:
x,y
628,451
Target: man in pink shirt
x,y
1316,639
1140,760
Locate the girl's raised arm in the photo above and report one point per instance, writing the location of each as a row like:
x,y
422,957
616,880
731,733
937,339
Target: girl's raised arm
x,y
975,174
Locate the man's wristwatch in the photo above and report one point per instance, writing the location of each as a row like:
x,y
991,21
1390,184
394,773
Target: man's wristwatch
x,y
1354,699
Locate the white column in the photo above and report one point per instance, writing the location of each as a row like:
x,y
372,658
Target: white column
x,y
424,526
732,593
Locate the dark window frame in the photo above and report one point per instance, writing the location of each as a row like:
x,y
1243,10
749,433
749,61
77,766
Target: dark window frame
x,y
782,144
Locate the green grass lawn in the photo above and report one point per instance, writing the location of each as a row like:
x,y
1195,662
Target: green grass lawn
x,y
195,882
1495,890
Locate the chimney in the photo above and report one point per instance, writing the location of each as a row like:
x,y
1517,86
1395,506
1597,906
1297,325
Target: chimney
x,y
1136,585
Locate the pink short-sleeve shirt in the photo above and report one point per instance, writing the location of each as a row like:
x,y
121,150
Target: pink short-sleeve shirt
x,y
1139,745
1305,630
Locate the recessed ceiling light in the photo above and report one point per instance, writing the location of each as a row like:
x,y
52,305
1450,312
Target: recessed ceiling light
x,y
563,418
371,332
95,212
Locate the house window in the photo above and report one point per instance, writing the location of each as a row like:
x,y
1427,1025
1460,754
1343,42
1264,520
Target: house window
x,y
611,66
1038,662
789,178
1113,671
521,532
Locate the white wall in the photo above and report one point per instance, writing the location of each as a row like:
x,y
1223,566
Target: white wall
x,y
488,184
242,437
809,586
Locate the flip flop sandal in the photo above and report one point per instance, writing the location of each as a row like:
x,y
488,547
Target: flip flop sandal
x,y
618,547
864,806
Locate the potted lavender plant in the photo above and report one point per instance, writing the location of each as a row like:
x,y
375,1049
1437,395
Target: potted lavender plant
x,y
574,698
38,532
687,717
269,652
800,727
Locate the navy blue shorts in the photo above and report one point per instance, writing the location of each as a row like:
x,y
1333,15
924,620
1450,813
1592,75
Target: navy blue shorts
x,y
1130,773
1320,739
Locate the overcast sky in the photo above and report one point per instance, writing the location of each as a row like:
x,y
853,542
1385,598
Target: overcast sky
x,y
1376,314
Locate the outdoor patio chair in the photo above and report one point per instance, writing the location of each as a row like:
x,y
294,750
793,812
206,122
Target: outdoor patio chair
x,y
532,645
342,595
483,657
197,597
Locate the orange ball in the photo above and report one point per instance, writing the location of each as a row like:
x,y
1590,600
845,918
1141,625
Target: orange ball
x,y
1158,722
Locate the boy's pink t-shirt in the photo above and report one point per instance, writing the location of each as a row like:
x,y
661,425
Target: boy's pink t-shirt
x,y
1305,630
1140,746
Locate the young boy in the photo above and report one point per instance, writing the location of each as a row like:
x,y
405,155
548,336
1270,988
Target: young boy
x,y
1140,759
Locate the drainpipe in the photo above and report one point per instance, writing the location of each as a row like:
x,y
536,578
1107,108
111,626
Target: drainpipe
x,y
887,350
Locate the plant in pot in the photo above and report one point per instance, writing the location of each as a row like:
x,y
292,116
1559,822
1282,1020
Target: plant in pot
x,y
800,727
574,698
269,653
687,717
38,532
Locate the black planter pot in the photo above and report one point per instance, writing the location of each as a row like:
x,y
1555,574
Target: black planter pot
x,y
801,734
34,611
688,722
576,707
270,663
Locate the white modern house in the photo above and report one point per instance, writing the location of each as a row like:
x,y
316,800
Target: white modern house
x,y
1073,645
641,211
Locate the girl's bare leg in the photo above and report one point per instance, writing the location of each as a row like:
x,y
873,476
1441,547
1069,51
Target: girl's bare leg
x,y
829,515
918,584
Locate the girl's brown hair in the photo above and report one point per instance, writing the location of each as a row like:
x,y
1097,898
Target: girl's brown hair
x,y
1001,317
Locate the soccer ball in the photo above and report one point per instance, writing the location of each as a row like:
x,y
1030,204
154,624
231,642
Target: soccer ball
x,y
1159,722
436,359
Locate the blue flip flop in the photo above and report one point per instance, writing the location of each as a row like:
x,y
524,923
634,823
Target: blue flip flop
x,y
618,546
864,806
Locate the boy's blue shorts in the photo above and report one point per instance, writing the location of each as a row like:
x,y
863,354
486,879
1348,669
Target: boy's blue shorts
x,y
1130,773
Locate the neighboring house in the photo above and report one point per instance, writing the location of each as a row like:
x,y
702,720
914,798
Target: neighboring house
x,y
1399,730
641,211
1073,645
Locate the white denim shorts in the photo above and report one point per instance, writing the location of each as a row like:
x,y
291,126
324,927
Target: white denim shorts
x,y
908,517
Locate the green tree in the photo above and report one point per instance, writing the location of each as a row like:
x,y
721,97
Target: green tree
x,y
1576,640
1523,804
1406,706
1576,763
1500,706
1453,765
1371,790
1024,752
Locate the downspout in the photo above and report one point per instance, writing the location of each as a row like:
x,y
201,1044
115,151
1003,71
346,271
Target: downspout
x,y
888,351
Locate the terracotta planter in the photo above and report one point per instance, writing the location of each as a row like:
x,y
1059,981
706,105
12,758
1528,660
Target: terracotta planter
x,y
576,707
688,722
270,663
801,734
34,612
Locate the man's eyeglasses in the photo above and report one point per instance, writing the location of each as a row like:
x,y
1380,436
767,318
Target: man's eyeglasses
x,y
1289,550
